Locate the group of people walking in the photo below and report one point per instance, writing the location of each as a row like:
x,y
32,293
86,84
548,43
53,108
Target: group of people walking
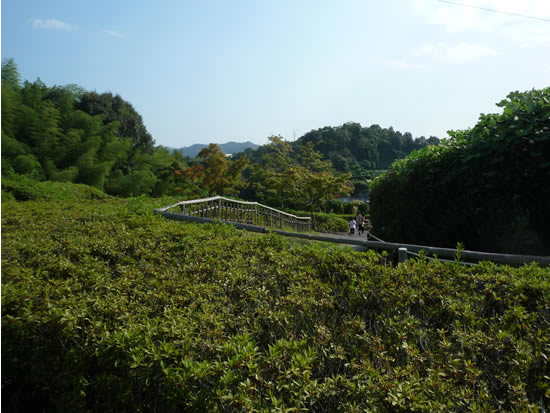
x,y
358,224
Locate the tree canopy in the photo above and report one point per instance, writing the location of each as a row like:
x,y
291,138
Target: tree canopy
x,y
68,134
216,173
116,109
296,176
54,133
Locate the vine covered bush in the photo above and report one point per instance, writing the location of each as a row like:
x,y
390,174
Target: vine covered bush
x,y
486,187
106,308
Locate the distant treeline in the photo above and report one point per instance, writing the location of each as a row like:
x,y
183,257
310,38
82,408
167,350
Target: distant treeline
x,y
69,134
361,151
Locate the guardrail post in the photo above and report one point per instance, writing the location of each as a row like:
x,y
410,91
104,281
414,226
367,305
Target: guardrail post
x,y
401,255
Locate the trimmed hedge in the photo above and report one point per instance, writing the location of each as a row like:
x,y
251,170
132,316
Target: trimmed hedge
x,y
486,187
106,308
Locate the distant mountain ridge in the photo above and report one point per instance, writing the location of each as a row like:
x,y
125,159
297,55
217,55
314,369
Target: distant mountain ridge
x,y
227,148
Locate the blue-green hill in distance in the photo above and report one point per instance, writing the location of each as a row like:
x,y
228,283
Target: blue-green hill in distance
x,y
227,148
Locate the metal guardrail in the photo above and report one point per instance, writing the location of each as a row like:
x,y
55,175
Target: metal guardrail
x,y
233,211
402,250
467,257
256,217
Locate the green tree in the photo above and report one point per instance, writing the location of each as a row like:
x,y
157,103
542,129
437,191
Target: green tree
x,y
297,176
164,165
10,96
64,133
47,131
10,107
271,177
10,74
217,173
114,108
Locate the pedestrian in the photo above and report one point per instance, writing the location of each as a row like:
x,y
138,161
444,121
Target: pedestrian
x,y
360,224
352,224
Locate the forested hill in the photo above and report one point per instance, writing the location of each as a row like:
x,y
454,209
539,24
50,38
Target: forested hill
x,y
228,148
354,148
357,149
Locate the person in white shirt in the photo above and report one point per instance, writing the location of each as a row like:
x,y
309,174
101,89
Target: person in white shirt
x,y
352,224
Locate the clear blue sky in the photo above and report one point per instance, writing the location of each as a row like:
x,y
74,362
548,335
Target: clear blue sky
x,y
217,70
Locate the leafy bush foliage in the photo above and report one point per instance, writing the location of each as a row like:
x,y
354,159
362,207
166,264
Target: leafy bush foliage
x,y
345,207
331,223
486,187
106,308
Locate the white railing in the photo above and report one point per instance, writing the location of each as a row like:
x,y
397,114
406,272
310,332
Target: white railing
x,y
231,210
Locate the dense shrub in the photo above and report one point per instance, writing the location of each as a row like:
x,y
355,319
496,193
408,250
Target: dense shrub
x,y
324,222
23,188
334,206
331,223
486,187
106,308
344,207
